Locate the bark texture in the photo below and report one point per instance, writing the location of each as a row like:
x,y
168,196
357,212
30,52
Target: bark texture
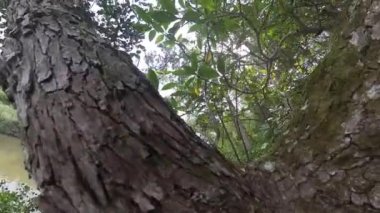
x,y
100,139
329,161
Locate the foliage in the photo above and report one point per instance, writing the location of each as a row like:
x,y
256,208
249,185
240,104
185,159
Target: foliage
x,y
20,199
9,124
117,24
243,64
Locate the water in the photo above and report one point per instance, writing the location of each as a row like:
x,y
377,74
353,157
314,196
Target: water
x,y
12,161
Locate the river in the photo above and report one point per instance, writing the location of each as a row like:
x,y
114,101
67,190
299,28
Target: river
x,y
11,161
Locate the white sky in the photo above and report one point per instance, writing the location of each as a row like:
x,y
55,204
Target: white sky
x,y
150,46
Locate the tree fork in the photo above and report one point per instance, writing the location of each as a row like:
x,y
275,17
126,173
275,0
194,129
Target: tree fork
x,y
329,160
100,138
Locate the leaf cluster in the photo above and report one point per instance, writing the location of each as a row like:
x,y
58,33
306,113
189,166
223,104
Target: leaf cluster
x,y
244,62
21,199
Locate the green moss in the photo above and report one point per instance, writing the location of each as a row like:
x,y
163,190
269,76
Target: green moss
x,y
3,98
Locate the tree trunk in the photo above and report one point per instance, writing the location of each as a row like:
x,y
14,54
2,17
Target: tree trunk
x,y
330,159
101,139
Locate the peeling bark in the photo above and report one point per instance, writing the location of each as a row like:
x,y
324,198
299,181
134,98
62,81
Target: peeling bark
x,y
101,139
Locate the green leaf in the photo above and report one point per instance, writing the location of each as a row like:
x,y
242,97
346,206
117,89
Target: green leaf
x,y
173,103
191,15
208,57
186,71
206,72
170,43
160,38
208,4
196,91
231,24
169,86
195,28
220,64
180,93
189,82
194,60
141,27
168,5
157,27
152,34
199,42
142,14
162,17
152,77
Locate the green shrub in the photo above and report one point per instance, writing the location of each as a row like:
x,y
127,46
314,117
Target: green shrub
x,y
17,198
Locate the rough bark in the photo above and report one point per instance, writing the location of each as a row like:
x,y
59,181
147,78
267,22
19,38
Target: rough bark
x,y
330,159
100,139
